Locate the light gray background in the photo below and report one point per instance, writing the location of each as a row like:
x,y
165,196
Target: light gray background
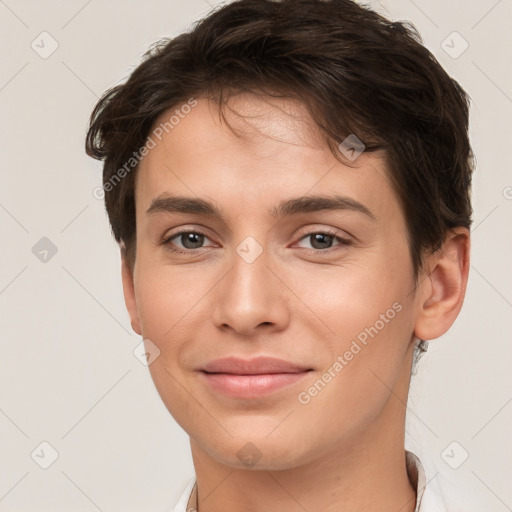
x,y
67,372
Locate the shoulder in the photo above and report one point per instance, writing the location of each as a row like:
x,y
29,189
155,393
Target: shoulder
x,y
441,491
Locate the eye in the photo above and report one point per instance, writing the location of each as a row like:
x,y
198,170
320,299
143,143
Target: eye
x,y
186,241
323,240
189,240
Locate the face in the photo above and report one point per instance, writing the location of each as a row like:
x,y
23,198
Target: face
x,y
263,270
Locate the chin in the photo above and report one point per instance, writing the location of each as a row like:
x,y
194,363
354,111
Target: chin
x,y
257,452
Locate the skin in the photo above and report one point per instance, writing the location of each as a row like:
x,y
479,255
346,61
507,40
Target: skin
x,y
344,449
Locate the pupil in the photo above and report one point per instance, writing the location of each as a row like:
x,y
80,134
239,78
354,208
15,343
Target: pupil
x,y
194,239
319,240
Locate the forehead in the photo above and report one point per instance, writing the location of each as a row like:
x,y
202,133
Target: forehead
x,y
272,150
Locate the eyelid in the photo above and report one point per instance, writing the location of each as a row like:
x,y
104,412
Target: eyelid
x,y
185,228
327,230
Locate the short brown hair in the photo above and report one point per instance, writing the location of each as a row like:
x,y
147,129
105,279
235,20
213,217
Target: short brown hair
x,y
357,73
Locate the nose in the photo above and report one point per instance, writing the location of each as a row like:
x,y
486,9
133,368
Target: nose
x,y
251,299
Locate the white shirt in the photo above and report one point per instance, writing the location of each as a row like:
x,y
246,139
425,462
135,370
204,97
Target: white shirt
x,y
428,497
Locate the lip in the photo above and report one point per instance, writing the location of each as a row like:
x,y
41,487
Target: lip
x,y
252,378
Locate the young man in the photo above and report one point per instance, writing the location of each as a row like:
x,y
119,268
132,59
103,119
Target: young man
x,y
289,185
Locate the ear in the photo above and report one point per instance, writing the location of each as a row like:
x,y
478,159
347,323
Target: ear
x,y
442,290
129,293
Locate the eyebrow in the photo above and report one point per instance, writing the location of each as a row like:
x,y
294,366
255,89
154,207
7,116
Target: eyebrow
x,y
306,204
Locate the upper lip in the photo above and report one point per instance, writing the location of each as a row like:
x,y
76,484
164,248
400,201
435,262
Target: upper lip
x,y
257,366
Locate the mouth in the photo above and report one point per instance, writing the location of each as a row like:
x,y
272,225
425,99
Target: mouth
x,y
253,378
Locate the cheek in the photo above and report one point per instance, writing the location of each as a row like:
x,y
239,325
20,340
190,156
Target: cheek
x,y
363,322
169,304
368,326
343,300
365,363
169,301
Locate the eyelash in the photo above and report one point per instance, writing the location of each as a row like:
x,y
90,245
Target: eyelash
x,y
342,241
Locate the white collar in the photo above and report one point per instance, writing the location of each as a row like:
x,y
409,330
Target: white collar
x,y
416,474
428,497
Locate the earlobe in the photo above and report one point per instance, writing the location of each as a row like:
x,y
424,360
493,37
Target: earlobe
x,y
442,290
129,293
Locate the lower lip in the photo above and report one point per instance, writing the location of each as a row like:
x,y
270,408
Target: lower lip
x,y
251,386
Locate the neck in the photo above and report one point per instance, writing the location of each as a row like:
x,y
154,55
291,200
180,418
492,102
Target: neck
x,y
367,474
